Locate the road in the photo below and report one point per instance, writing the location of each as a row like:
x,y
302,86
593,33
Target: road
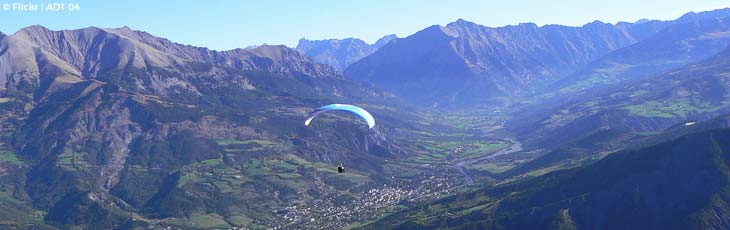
x,y
514,146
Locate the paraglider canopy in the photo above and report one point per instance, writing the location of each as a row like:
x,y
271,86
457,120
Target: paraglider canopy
x,y
365,115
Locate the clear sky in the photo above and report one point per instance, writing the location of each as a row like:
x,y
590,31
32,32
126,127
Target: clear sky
x,y
222,25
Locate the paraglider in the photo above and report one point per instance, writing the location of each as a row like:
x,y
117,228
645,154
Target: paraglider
x,y
365,115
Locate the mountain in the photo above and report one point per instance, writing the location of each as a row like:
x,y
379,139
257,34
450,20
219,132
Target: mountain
x,y
680,184
340,53
464,63
603,126
116,128
384,40
254,46
691,38
140,47
609,118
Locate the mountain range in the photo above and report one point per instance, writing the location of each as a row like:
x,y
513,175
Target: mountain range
x,y
695,92
640,131
463,63
105,127
340,53
602,126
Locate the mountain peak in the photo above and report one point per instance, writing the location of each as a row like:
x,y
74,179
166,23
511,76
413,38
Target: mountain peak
x,y
596,23
277,53
460,23
713,14
641,21
461,20
340,53
527,24
284,58
33,29
268,49
120,30
384,40
251,47
438,29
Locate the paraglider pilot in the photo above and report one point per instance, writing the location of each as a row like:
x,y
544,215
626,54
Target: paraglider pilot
x,y
341,168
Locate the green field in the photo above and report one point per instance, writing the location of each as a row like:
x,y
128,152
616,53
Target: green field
x,y
670,109
9,157
493,167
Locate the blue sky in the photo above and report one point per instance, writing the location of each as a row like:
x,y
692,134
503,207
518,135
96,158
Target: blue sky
x,y
223,25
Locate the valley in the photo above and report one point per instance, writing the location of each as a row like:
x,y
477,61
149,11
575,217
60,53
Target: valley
x,y
514,127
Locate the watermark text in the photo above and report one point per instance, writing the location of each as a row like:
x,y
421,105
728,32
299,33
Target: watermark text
x,y
40,7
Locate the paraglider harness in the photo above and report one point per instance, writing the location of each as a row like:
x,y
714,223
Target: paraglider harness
x,y
341,168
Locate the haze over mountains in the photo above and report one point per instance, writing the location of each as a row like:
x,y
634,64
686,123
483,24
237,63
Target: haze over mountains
x,y
698,91
623,99
464,63
601,126
340,53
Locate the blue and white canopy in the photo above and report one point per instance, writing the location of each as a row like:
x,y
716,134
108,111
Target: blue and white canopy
x,y
365,115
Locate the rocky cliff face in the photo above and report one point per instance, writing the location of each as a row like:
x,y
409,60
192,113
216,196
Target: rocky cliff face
x,y
340,53
85,54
